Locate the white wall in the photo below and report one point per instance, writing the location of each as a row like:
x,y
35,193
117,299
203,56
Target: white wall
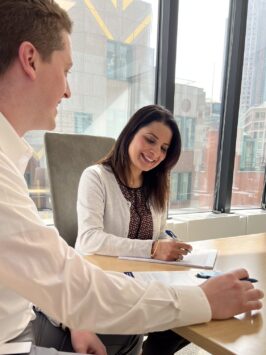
x,y
202,226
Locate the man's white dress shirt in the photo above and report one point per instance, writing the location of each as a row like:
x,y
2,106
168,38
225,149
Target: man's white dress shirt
x,y
37,265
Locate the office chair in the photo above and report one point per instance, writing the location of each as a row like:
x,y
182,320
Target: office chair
x,y
67,156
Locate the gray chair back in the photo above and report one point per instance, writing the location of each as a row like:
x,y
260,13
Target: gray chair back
x,y
67,156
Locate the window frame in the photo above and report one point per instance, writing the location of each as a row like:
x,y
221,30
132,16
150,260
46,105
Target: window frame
x,y
232,77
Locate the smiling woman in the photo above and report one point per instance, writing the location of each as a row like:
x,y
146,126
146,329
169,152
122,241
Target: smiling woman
x,y
122,200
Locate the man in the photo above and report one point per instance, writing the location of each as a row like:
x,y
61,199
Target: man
x,y
36,265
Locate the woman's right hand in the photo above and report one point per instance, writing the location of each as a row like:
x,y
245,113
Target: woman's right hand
x,y
170,250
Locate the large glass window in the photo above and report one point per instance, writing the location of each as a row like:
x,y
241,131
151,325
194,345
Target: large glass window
x,y
114,52
201,39
250,158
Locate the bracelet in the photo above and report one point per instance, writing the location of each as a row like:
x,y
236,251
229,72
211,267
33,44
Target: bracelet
x,y
154,251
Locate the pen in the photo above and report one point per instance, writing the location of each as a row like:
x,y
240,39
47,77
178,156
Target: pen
x,y
173,236
208,274
129,273
250,279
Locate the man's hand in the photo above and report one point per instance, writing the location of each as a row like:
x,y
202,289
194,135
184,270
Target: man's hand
x,y
86,342
229,296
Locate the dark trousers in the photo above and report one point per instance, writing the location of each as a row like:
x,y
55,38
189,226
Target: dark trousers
x,y
44,334
163,343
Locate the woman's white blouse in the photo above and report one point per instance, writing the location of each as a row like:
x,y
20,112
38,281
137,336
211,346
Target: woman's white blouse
x,y
104,216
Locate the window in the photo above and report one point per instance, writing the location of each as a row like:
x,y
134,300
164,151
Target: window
x,y
201,41
82,122
114,54
118,61
187,130
180,188
248,161
249,157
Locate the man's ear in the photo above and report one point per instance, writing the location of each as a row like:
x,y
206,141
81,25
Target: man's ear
x,y
28,56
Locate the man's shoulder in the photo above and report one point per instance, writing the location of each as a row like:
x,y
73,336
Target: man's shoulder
x,y
5,163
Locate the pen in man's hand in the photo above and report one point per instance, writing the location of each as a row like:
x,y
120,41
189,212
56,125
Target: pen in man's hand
x,y
173,236
209,274
250,279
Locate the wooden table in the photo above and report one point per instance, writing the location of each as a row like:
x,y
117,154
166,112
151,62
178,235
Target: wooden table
x,y
244,334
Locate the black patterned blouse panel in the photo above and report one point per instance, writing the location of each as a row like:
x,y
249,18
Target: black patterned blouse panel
x,y
141,224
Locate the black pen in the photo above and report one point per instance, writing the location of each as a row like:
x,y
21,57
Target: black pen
x,y
173,236
129,273
250,279
209,274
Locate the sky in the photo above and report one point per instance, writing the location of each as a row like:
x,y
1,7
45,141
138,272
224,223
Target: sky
x,y
200,44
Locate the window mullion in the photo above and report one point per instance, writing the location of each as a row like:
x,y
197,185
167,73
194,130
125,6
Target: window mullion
x,y
166,54
230,105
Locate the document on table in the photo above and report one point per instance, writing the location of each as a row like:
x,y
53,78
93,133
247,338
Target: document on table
x,y
199,258
15,348
172,278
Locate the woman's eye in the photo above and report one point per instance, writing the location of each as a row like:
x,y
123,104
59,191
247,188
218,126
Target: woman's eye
x,y
164,150
149,140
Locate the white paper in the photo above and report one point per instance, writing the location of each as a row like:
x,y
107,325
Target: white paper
x,y
199,258
173,278
15,348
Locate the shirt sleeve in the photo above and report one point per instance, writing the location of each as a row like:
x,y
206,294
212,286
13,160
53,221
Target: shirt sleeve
x,y
92,238
38,265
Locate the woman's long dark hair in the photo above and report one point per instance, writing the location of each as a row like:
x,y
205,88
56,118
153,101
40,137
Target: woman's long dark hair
x,y
155,181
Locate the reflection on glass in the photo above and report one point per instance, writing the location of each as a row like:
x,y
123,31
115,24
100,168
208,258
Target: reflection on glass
x,y
250,157
201,39
114,51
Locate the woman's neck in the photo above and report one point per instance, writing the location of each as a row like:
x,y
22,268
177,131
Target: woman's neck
x,y
135,180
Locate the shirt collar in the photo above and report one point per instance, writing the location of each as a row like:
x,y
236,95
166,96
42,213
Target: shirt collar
x,y
15,147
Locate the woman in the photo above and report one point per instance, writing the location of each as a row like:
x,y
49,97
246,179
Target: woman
x,y
122,201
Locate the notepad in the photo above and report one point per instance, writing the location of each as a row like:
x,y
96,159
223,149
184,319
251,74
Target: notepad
x,y
172,278
199,258
15,348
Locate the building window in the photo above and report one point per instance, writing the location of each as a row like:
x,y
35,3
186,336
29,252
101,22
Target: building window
x,y
187,130
247,161
181,186
118,61
82,122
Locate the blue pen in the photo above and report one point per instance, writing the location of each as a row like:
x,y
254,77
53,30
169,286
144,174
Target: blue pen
x,y
173,236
